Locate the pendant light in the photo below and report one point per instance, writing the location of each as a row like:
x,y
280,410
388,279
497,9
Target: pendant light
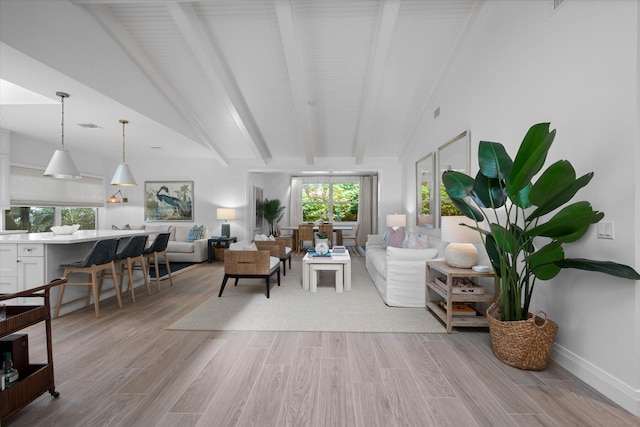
x,y
123,175
61,165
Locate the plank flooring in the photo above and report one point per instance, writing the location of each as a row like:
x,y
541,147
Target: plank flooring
x,y
127,369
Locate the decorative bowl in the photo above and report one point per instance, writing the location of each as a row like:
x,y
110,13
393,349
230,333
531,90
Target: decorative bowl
x,y
65,229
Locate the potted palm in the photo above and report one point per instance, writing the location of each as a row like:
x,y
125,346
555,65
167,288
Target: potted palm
x,y
528,224
273,211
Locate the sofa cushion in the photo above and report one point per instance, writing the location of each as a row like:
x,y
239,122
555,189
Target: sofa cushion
x,y
182,233
180,247
404,254
416,241
393,237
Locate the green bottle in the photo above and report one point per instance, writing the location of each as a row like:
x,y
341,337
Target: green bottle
x,y
9,373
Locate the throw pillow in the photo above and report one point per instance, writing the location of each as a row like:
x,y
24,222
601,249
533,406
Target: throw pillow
x,y
198,232
417,241
115,227
238,246
395,238
190,237
260,237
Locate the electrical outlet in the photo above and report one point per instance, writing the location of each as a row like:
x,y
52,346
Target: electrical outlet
x,y
605,230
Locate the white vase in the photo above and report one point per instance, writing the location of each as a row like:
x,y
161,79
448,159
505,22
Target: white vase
x,y
322,246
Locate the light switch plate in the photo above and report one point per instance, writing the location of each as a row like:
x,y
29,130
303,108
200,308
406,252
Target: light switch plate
x,y
605,230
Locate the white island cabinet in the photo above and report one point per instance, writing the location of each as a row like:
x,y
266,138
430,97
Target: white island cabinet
x,y
31,260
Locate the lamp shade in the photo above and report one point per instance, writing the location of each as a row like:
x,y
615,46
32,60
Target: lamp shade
x,y
123,176
396,220
225,213
62,166
460,252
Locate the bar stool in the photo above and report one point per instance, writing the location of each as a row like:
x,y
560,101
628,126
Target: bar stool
x,y
128,257
159,248
99,259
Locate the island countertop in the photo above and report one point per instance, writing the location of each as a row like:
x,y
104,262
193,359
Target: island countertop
x,y
79,236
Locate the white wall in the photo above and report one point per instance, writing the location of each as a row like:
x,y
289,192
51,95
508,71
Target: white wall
x,y
578,69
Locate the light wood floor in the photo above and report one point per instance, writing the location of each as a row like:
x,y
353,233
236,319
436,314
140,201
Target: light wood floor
x,y
126,369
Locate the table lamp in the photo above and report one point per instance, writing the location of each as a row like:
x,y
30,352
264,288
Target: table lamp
x,y
225,214
460,252
396,221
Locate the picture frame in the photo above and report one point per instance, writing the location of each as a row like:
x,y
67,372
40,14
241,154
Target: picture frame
x,y
168,201
425,191
454,154
258,198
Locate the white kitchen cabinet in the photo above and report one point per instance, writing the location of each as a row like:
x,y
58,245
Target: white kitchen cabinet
x,y
21,267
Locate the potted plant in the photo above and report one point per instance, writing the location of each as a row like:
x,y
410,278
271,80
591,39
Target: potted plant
x,y
273,211
529,221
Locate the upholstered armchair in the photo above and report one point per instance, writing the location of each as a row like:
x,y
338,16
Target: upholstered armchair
x,y
249,264
280,248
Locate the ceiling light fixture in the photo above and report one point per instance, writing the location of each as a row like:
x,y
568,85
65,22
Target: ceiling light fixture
x,y
123,175
61,164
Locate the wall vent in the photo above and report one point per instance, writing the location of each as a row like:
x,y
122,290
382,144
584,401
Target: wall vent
x,y
436,113
89,126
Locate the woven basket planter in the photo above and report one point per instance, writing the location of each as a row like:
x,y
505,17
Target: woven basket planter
x,y
524,344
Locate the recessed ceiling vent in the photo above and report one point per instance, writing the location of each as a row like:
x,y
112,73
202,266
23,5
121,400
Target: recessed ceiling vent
x,y
89,126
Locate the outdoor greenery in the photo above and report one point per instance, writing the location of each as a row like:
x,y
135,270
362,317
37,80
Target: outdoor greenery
x,y
330,202
523,242
273,211
40,219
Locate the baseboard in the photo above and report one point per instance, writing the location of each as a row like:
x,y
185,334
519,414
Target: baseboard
x,y
619,392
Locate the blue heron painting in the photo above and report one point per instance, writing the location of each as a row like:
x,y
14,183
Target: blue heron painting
x,y
169,201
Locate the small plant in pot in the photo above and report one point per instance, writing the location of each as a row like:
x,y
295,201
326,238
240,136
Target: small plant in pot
x,y
273,211
520,210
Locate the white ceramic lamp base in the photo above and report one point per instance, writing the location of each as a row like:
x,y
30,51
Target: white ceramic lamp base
x,y
461,255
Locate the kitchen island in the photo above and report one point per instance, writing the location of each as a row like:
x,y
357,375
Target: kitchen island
x,y
33,259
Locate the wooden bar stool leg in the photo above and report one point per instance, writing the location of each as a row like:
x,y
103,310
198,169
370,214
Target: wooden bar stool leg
x,y
96,295
115,284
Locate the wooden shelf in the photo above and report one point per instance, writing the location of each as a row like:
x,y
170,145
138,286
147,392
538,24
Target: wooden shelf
x,y
38,378
440,278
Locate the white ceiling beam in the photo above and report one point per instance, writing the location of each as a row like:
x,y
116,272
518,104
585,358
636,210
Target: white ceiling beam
x,y
103,15
287,24
213,64
380,51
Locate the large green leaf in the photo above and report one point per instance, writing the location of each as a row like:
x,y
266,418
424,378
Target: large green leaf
x,y
530,158
521,199
489,192
606,267
493,160
556,186
457,184
543,262
569,224
494,254
467,210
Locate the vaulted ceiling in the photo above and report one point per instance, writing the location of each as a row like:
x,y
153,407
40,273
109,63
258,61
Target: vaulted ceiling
x,y
253,81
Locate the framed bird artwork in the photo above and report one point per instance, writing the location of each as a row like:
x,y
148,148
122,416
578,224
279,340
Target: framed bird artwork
x,y
168,201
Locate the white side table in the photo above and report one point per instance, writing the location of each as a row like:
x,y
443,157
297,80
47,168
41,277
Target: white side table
x,y
341,264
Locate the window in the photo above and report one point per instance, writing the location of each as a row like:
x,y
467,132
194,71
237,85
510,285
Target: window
x,y
39,219
330,202
32,219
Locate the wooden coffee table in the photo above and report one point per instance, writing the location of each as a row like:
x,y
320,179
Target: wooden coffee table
x,y
311,266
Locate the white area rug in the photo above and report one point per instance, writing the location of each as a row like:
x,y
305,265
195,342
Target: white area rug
x,y
246,308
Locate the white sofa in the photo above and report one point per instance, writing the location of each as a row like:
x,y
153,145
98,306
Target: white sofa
x,y
400,273
178,248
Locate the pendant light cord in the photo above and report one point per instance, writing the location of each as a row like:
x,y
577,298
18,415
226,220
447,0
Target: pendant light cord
x,y
124,122
62,123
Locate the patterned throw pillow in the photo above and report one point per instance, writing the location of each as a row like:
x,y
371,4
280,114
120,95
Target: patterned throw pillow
x,y
417,241
198,232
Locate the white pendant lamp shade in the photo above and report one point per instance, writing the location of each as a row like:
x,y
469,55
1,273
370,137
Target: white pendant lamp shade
x,y
123,175
61,165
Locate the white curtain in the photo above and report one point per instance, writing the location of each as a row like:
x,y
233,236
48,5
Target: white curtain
x,y
295,210
367,208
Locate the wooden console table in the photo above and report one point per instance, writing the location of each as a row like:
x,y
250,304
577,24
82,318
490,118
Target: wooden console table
x,y
39,378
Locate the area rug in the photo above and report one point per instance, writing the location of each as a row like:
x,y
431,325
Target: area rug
x,y
175,268
246,308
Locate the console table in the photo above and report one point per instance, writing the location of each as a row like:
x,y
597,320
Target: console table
x,y
440,277
224,240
